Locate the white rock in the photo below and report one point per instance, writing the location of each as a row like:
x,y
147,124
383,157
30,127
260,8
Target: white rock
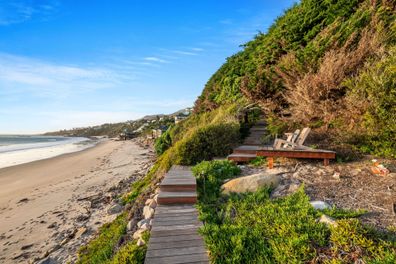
x,y
336,175
327,220
148,212
142,222
320,205
140,242
251,183
114,209
138,234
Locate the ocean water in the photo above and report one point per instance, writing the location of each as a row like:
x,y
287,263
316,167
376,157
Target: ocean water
x,y
18,149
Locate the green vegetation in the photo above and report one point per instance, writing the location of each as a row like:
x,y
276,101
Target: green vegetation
x,y
325,55
101,249
252,228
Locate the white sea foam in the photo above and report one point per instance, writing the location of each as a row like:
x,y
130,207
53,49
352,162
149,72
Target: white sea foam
x,y
16,154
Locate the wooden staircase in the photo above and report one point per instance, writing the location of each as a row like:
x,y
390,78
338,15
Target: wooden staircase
x,y
174,235
251,144
178,187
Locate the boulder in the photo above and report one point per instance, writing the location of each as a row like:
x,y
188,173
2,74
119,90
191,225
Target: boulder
x,y
148,212
327,220
114,209
320,205
156,198
153,204
142,222
251,183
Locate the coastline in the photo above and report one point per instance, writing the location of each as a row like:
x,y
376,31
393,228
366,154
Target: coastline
x,y
18,154
43,202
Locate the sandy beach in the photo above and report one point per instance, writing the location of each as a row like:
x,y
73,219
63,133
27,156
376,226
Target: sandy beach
x,y
47,206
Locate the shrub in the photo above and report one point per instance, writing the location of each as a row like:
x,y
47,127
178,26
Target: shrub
x,y
163,143
208,142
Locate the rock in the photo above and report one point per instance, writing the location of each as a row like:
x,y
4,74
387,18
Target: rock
x,y
64,241
251,183
148,201
138,234
156,198
140,242
293,187
327,220
25,247
145,226
153,204
142,222
148,212
47,260
81,231
53,225
336,175
130,225
82,217
114,209
320,205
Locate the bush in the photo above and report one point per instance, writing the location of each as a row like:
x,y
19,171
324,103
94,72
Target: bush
x,y
208,142
163,143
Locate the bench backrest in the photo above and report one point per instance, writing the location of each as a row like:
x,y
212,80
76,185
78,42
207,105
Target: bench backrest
x,y
303,136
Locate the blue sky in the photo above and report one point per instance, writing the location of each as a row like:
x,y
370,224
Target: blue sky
x,y
75,63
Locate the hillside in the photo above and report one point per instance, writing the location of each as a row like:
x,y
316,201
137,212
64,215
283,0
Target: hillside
x,y
329,65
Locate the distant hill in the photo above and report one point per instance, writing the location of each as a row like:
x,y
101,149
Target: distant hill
x,y
140,126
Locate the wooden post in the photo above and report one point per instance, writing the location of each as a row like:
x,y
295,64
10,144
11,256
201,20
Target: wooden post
x,y
326,162
270,162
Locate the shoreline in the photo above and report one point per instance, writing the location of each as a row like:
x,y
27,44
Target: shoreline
x,y
45,203
23,156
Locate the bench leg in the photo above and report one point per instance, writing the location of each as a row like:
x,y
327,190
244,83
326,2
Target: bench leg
x,y
270,162
326,162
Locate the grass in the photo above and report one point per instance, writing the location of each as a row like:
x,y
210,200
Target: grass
x,y
101,249
252,228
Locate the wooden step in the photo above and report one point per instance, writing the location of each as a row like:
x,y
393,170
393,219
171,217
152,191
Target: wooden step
x,y
189,197
241,157
247,149
176,185
258,128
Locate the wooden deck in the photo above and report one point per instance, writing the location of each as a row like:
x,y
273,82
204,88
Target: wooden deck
x,y
246,153
174,235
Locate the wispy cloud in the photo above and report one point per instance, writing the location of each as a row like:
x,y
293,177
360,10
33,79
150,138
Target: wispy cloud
x,y
197,49
181,52
18,11
44,78
156,59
